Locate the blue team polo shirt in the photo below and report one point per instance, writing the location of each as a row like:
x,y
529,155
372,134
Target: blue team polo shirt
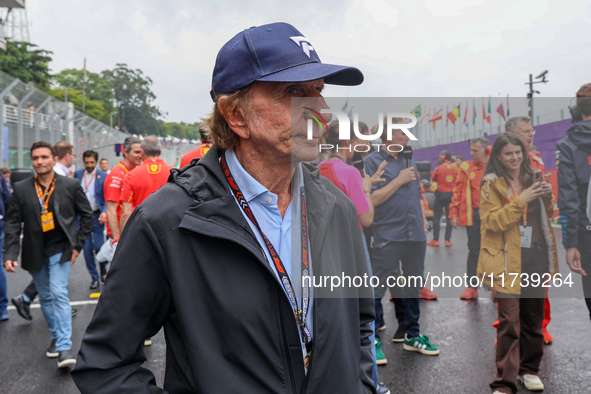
x,y
400,218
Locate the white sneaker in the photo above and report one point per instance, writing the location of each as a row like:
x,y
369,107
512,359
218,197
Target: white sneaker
x,y
531,382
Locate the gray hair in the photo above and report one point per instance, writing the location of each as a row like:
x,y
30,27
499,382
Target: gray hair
x,y
512,123
151,146
129,141
480,140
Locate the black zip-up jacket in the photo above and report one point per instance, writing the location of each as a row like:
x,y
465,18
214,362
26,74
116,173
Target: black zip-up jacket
x,y
573,162
71,210
189,262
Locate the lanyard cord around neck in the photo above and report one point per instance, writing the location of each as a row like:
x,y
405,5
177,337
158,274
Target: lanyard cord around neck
x,y
300,314
87,185
44,197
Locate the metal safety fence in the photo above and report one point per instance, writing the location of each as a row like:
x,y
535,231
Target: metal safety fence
x,y
27,115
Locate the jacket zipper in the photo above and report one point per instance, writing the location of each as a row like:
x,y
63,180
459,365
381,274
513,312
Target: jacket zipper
x,y
286,347
321,238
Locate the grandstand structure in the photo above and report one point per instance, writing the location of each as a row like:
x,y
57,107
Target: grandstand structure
x,y
14,23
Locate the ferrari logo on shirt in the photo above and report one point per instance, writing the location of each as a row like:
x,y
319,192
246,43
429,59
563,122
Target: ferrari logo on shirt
x,y
154,168
472,175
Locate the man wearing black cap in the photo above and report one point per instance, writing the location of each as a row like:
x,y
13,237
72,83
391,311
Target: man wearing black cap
x,y
219,255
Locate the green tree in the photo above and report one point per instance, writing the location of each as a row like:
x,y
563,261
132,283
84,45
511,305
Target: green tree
x,y
97,88
26,62
94,108
134,100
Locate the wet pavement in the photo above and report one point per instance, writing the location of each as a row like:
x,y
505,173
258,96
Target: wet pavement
x,y
461,329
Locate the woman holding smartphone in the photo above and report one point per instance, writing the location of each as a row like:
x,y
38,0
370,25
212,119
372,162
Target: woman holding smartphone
x,y
517,259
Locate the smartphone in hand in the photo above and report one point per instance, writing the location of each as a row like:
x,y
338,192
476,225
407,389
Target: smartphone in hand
x,y
538,176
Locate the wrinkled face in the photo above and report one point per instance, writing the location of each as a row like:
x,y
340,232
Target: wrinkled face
x,y
43,160
478,152
511,157
104,165
134,155
277,127
89,164
525,132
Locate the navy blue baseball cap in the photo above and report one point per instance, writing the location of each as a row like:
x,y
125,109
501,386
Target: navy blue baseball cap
x,y
277,52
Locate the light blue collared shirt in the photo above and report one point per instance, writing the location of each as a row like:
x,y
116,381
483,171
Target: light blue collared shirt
x,y
278,229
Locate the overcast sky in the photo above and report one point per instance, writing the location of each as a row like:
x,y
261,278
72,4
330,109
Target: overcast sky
x,y
431,48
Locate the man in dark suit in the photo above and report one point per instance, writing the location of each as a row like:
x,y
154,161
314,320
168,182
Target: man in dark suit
x,y
92,181
49,206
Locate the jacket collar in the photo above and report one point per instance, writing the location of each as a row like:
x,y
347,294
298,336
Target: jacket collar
x,y
214,211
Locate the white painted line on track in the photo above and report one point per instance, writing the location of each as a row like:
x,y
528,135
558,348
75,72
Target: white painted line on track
x,y
73,303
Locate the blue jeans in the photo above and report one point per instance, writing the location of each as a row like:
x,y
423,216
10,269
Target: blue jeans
x,y
3,296
52,285
385,262
93,244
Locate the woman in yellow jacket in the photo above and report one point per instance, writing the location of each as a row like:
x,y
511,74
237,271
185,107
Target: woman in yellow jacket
x,y
517,259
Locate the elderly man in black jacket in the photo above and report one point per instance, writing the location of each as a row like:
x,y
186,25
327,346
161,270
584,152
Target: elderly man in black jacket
x,y
219,255
49,206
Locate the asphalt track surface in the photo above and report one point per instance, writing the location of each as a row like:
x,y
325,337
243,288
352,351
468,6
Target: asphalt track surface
x,y
461,329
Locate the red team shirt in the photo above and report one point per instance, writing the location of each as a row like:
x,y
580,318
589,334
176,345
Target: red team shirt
x,y
445,175
195,154
112,188
144,180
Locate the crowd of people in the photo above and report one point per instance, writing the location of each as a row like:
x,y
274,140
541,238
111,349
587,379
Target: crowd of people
x,y
255,211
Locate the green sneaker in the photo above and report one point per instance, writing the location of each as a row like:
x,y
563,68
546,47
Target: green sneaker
x,y
380,356
420,344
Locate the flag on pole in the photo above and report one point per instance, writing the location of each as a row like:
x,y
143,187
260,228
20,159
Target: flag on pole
x,y
501,111
488,113
507,105
424,117
454,114
485,114
446,115
436,117
466,115
350,113
474,114
416,111
346,106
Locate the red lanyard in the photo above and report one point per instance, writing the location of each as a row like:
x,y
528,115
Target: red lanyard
x,y
300,314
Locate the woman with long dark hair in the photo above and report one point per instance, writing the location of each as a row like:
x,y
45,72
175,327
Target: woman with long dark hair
x,y
517,259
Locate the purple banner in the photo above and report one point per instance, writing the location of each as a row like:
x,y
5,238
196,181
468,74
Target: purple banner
x,y
547,135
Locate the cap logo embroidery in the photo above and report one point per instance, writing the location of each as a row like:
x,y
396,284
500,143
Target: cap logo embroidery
x,y
304,43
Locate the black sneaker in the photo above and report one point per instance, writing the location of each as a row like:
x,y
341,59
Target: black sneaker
x,y
22,307
66,359
51,352
93,284
74,312
399,334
